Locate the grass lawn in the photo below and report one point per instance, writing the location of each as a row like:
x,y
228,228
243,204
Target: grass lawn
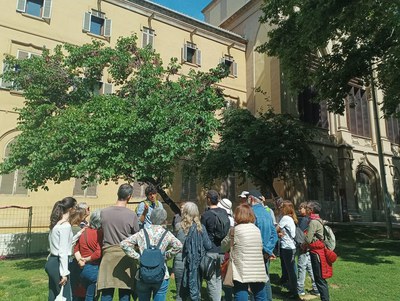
x,y
368,269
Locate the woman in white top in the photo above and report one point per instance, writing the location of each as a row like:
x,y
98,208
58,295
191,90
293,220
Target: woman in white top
x,y
286,231
60,240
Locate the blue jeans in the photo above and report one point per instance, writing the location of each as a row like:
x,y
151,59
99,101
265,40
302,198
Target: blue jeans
x,y
89,277
108,294
303,266
145,290
289,260
241,291
268,289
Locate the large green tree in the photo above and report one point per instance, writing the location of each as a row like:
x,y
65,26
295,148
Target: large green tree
x,y
355,40
263,148
154,119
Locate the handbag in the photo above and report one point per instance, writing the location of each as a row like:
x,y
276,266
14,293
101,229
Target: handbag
x,y
226,267
207,267
60,296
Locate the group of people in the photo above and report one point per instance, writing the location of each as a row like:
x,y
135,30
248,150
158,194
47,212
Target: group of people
x,y
92,255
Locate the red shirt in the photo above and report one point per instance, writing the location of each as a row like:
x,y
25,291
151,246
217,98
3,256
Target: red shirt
x,y
89,244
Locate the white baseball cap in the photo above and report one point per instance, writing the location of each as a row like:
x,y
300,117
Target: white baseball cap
x,y
244,194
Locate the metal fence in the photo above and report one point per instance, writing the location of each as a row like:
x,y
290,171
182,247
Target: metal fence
x,y
24,230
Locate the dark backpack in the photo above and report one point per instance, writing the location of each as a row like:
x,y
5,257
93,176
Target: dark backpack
x,y
222,225
152,262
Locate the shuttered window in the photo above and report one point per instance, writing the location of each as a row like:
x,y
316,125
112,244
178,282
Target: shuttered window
x,y
191,54
96,23
89,191
230,63
12,183
37,8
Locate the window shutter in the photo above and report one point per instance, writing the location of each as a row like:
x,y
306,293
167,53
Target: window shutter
x,y
21,55
107,88
7,183
78,191
234,69
86,21
19,188
21,5
107,28
144,38
151,39
198,57
4,83
184,53
46,9
91,190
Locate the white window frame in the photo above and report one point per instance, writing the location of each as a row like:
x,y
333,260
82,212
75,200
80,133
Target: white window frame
x,y
87,21
196,55
148,37
45,10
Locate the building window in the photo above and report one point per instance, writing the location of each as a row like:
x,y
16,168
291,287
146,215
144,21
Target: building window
x,y
191,54
148,37
37,8
393,129
21,55
230,63
139,190
3,83
189,188
12,183
89,191
96,23
357,112
103,89
310,112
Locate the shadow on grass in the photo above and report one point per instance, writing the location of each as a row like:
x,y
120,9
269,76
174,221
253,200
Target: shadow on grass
x,y
364,244
31,264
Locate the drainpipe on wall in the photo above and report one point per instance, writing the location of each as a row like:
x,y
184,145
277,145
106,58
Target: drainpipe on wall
x,y
386,196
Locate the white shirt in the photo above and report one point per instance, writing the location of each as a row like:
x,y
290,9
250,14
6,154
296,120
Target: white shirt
x,y
287,224
60,240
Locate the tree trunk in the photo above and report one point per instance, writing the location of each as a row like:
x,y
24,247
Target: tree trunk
x,y
168,200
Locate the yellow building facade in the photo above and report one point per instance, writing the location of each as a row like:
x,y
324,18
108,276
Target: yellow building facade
x,y
27,26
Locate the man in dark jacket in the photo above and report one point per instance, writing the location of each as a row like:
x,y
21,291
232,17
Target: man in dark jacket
x,y
214,227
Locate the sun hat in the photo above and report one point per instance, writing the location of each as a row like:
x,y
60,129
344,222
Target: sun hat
x,y
225,204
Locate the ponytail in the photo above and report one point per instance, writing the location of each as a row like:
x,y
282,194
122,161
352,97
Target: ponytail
x,y
59,208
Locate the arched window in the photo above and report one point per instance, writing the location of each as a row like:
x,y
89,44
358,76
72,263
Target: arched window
x,y
12,183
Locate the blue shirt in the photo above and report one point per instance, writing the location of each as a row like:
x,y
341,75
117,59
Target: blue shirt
x,y
264,222
152,206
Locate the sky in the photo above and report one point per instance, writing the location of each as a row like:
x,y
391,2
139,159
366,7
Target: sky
x,y
188,7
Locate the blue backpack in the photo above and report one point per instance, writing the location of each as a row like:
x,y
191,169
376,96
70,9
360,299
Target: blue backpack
x,y
152,262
